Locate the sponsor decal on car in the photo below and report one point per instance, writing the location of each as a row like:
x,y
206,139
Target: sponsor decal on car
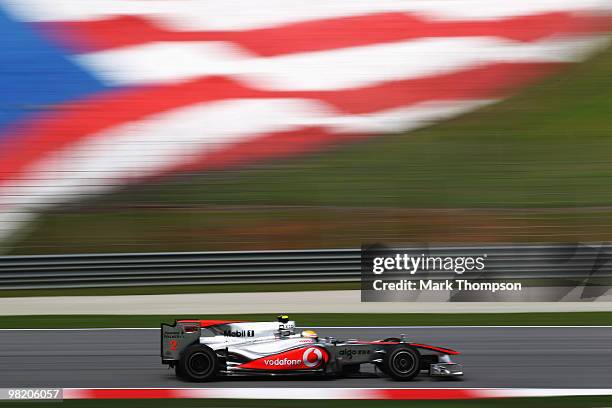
x,y
350,352
239,333
311,361
296,359
282,362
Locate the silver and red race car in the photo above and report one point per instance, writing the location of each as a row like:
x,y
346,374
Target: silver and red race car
x,y
202,350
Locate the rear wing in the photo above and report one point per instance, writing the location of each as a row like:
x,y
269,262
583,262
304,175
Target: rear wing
x,y
176,337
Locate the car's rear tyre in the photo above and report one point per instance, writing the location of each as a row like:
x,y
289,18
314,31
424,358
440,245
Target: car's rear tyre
x,y
198,363
402,362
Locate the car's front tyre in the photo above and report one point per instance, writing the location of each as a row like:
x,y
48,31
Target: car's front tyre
x,y
402,362
198,363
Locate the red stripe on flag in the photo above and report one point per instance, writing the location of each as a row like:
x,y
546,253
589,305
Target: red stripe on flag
x,y
486,81
317,35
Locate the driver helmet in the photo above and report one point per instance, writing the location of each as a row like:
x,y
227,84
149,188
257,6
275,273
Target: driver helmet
x,y
310,334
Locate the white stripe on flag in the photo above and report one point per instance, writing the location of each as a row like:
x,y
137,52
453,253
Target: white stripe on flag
x,y
162,62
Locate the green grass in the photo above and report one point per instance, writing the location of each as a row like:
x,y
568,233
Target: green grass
x,y
322,319
547,149
554,402
156,290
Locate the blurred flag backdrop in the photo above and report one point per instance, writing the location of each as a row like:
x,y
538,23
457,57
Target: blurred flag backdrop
x,y
95,94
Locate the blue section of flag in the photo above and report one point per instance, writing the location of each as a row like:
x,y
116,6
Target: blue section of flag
x,y
35,73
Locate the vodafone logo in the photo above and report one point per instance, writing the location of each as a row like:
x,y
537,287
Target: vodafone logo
x,y
282,362
312,357
295,359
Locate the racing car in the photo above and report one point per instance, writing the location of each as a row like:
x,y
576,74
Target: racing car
x,y
203,350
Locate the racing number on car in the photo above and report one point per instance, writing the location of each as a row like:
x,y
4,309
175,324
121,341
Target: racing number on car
x,y
173,345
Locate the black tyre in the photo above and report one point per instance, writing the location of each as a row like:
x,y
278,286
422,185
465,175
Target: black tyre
x,y
402,362
381,366
198,363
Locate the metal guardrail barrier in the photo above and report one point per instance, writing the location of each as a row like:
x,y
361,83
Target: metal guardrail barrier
x,y
333,265
187,268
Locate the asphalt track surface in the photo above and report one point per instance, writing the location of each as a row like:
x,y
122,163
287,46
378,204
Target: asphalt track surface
x,y
547,357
